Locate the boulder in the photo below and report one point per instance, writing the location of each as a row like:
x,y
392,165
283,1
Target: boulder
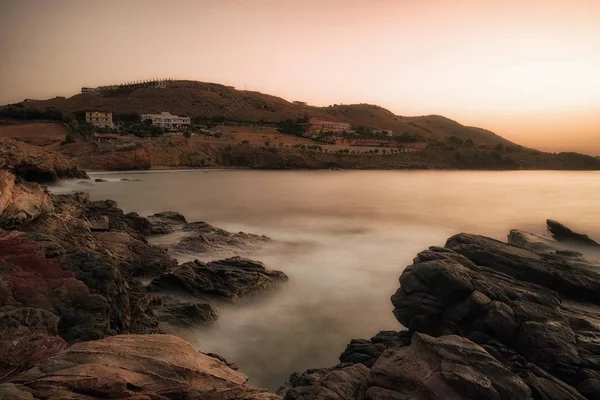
x,y
368,351
444,368
21,202
519,303
564,234
226,279
35,164
135,366
343,382
187,314
99,180
166,222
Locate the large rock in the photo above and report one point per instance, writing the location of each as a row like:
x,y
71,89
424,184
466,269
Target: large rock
x,y
166,222
34,163
368,351
222,280
564,234
519,303
134,367
187,314
21,203
445,368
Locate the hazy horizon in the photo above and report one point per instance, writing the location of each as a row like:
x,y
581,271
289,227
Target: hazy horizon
x,y
528,72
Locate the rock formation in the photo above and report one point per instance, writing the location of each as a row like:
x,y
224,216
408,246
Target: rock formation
x,y
486,320
132,367
35,164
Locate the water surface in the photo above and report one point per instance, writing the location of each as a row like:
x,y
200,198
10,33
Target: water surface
x,y
343,238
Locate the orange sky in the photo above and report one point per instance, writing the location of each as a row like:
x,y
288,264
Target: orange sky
x,y
528,70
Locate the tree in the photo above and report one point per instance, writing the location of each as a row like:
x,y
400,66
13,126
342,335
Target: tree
x,y
469,143
187,134
499,147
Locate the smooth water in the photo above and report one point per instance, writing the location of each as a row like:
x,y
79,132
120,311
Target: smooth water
x,y
343,238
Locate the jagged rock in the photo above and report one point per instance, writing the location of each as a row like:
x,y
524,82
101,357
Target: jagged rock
x,y
36,164
448,367
538,305
224,279
100,180
343,382
28,279
99,223
135,366
564,234
166,222
187,314
368,351
21,203
530,241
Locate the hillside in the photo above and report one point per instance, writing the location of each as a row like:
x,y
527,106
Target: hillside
x,y
222,103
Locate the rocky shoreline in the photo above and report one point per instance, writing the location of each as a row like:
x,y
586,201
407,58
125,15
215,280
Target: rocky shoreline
x,y
484,319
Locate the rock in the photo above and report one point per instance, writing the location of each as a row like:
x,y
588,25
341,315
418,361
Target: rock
x,y
224,279
36,164
530,241
136,366
188,314
343,382
21,203
99,223
534,307
166,222
368,351
448,367
564,234
27,279
100,180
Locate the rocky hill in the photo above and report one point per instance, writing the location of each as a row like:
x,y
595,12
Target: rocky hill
x,y
218,102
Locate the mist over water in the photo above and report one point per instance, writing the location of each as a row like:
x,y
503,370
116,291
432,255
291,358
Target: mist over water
x,y
343,238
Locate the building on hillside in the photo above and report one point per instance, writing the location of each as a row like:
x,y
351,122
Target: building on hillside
x,y
315,126
387,132
99,117
410,147
89,90
167,120
299,103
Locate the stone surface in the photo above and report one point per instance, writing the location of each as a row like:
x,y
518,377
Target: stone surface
x,y
564,234
36,164
222,280
368,351
21,203
166,222
187,314
538,307
135,367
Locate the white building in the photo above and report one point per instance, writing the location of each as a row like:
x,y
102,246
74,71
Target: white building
x,y
167,120
100,118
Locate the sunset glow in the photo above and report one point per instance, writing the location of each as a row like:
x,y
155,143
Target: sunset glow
x,y
529,71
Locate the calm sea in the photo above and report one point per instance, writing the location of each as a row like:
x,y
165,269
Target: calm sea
x,y
343,238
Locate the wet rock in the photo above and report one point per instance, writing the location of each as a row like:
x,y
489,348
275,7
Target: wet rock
x,y
539,306
22,202
136,366
100,180
368,351
448,367
166,222
224,279
564,234
99,223
343,382
187,314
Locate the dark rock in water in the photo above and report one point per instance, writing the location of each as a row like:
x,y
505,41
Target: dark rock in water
x,y
188,314
343,382
448,367
368,351
133,367
224,279
564,234
100,180
166,222
538,306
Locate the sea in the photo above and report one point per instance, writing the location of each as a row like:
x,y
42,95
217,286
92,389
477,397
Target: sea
x,y
343,238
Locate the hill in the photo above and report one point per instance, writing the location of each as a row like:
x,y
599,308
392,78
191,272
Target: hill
x,y
211,101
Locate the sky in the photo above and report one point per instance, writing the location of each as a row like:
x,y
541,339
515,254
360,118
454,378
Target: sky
x,y
527,70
